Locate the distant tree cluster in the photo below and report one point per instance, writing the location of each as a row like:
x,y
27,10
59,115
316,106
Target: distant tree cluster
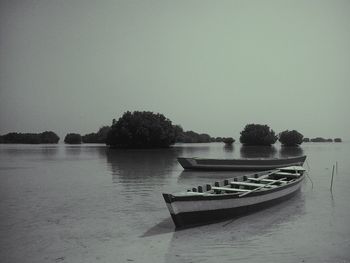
x,y
99,137
145,129
49,137
321,139
72,138
257,134
182,136
318,139
141,129
291,138
191,136
30,138
228,140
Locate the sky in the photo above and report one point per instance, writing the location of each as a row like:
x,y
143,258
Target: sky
x,y
210,66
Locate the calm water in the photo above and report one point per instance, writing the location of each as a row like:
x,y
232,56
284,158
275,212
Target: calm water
x,y
90,204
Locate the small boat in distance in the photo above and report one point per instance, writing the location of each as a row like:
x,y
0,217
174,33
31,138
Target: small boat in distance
x,y
233,197
251,164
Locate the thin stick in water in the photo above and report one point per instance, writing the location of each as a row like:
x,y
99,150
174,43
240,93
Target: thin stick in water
x,y
336,167
332,178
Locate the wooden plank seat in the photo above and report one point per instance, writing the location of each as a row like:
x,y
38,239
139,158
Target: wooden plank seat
x,y
265,180
250,184
292,168
227,189
259,188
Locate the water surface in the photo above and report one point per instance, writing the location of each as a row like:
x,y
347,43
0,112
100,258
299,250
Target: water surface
x,y
87,203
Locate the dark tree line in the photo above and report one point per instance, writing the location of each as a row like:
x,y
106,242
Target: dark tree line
x,y
321,139
144,129
72,138
98,137
30,138
182,136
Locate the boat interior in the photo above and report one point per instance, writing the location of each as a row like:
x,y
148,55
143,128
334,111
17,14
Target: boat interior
x,y
245,185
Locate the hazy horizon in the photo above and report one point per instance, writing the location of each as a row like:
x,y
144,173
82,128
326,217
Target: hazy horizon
x,y
209,66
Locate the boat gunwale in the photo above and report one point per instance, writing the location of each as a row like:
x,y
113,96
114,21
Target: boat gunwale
x,y
248,159
206,196
248,164
180,223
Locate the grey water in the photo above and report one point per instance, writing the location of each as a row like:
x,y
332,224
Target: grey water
x,y
87,203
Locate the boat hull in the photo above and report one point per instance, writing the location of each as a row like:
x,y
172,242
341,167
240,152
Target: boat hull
x,y
239,164
203,210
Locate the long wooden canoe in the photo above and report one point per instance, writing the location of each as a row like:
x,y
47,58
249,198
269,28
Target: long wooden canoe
x,y
233,197
252,164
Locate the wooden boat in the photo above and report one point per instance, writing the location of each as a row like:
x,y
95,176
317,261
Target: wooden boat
x,y
256,164
233,197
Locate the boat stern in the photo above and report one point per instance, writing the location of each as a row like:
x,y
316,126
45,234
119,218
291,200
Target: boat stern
x,y
184,162
168,198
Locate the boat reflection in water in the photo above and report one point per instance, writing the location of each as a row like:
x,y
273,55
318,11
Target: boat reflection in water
x,y
225,240
136,165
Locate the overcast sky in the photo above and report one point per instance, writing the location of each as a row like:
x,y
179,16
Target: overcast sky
x,y
210,66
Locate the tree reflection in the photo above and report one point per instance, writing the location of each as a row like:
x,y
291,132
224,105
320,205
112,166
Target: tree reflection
x,y
73,150
258,151
193,149
290,151
250,228
228,148
135,164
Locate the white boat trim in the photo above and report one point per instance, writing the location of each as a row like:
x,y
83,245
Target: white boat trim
x,y
205,205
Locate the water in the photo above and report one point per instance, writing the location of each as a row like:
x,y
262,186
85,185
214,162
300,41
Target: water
x,y
89,204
